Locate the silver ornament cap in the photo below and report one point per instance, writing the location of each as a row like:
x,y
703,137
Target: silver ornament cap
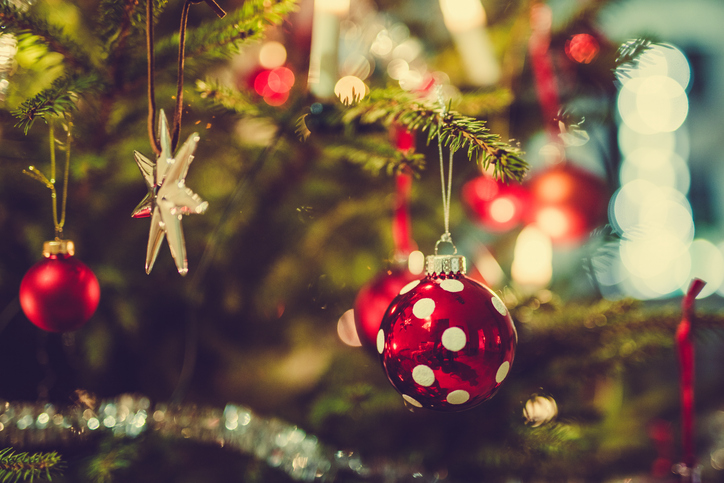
x,y
445,264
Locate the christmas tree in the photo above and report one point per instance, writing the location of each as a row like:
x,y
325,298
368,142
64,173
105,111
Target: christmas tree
x,y
571,185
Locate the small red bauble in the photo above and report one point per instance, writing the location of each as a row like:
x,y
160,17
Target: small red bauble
x,y
446,342
568,202
373,299
59,293
495,205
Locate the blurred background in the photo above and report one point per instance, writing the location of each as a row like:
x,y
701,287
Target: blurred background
x,y
616,105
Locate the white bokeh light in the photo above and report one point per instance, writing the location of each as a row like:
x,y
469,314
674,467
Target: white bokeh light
x,y
707,263
661,167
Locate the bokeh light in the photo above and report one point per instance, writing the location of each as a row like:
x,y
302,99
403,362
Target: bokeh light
x,y
272,54
532,258
274,85
416,262
347,331
582,48
661,167
462,15
707,263
350,89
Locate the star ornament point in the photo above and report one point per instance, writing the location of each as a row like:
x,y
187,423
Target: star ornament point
x,y
168,197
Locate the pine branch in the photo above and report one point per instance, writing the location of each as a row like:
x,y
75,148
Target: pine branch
x,y
629,55
26,467
229,98
59,99
221,37
606,336
118,19
17,21
458,132
375,156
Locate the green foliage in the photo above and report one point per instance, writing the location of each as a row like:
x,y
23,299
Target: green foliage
x,y
17,21
16,467
125,18
457,132
231,99
113,456
59,99
375,155
221,37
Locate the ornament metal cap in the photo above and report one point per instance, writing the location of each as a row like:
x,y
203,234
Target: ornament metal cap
x,y
445,264
58,247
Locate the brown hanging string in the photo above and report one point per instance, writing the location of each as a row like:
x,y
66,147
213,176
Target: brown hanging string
x,y
151,55
180,79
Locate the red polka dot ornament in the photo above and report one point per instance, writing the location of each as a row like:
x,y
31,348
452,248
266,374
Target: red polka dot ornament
x,y
59,293
446,342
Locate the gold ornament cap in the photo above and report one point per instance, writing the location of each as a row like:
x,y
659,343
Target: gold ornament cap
x,y
58,247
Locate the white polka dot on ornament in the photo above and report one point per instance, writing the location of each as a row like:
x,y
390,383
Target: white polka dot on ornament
x,y
454,339
458,397
452,285
409,287
499,305
423,375
502,372
423,308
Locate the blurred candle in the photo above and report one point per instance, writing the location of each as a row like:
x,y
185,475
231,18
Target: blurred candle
x,y
325,41
465,19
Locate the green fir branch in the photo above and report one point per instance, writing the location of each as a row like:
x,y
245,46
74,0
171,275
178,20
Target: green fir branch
x,y
609,335
17,21
375,156
628,56
16,467
457,132
60,99
220,37
231,99
115,17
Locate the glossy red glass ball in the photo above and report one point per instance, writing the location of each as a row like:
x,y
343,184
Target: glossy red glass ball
x,y
59,293
447,342
372,301
496,206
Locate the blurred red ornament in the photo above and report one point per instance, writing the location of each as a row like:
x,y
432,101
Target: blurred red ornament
x,y
582,48
568,202
59,293
372,302
446,342
497,206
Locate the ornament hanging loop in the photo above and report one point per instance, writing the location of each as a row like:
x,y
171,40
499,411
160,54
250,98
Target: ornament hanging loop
x,y
446,238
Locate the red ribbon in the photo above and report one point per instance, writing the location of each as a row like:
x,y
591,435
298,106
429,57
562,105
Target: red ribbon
x,y
401,226
685,348
546,85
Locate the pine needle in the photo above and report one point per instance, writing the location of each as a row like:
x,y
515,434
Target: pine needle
x,y
219,38
58,100
16,467
457,132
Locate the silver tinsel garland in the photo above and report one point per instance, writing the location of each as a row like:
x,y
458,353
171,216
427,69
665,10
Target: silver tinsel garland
x,y
280,444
